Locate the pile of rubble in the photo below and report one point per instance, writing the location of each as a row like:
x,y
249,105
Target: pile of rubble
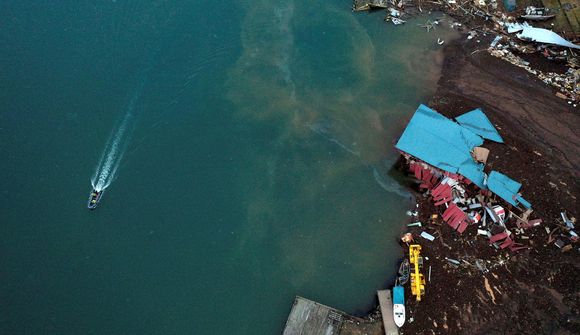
x,y
568,84
563,235
491,19
464,205
446,158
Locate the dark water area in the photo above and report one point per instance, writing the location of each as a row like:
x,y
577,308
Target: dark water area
x,y
254,168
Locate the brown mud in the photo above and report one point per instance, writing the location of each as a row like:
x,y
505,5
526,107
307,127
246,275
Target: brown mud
x,y
535,291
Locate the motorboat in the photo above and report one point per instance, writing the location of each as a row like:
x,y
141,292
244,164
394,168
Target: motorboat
x,y
94,199
399,305
537,14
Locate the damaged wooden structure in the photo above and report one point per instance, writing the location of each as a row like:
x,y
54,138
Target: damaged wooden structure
x,y
445,156
309,317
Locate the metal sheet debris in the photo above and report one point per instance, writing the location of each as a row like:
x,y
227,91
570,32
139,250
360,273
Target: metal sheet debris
x,y
427,236
449,144
539,35
483,232
478,123
567,221
453,261
559,243
506,188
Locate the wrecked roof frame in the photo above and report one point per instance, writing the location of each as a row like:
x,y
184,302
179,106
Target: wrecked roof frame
x,y
449,145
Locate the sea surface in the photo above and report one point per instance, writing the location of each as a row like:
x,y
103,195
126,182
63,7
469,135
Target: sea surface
x,y
246,149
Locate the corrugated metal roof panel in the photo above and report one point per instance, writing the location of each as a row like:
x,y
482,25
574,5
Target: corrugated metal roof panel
x,y
477,122
442,143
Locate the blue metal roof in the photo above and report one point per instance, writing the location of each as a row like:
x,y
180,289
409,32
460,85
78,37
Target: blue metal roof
x,y
447,145
437,140
506,188
478,123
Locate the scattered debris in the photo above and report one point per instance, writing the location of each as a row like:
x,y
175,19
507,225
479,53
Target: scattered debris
x,y
396,21
453,261
481,266
566,83
427,236
567,221
483,232
429,25
495,41
407,238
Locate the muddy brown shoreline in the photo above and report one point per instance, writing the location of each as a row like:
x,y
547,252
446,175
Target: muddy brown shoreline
x,y
535,291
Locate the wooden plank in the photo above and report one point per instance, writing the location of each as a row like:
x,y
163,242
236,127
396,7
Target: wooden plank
x,y
386,303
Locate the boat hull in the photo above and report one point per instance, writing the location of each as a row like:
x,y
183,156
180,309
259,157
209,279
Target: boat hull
x,y
94,199
537,17
404,272
399,314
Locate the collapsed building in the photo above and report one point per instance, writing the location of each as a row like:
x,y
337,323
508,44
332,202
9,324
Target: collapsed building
x,y
447,158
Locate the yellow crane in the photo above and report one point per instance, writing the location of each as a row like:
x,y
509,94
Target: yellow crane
x,y
417,278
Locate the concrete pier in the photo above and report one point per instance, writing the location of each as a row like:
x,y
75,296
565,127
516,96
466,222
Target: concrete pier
x,y
312,318
386,303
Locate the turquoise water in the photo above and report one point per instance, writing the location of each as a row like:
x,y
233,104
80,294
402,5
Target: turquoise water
x,y
255,167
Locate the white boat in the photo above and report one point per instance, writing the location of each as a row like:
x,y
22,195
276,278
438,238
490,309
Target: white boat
x,y
399,305
537,14
396,21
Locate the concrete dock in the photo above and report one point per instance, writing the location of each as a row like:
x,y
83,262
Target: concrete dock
x,y
308,317
386,303
311,318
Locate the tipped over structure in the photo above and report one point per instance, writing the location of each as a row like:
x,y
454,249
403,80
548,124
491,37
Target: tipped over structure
x,y
452,147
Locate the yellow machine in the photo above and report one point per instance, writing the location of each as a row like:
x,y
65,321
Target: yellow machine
x,y
417,278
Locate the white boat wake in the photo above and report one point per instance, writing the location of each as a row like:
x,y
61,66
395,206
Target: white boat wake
x,y
106,171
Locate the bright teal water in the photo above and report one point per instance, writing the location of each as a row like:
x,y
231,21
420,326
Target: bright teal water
x,y
256,171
